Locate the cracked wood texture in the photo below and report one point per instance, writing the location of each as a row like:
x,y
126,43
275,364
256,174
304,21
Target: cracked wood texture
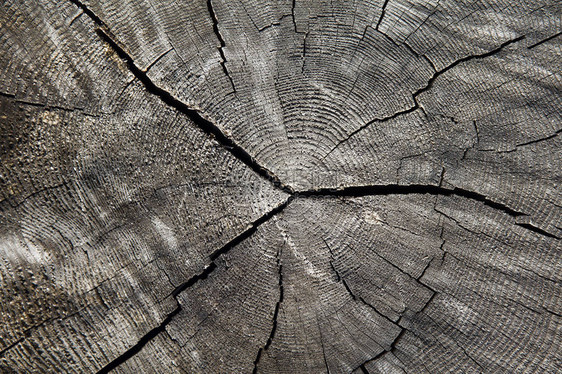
x,y
233,186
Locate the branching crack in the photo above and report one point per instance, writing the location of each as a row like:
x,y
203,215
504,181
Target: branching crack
x,y
275,314
221,41
354,297
425,88
398,337
395,189
465,59
196,278
410,49
348,289
392,349
241,154
228,246
88,12
203,123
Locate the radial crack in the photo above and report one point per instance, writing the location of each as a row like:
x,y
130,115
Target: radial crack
x,y
383,12
88,12
275,315
47,106
544,40
203,123
425,88
158,59
397,189
221,41
293,5
140,344
540,140
465,59
410,49
196,278
12,345
538,230
349,291
392,348
231,244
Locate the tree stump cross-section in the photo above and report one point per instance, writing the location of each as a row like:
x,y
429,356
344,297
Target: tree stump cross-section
x,y
280,187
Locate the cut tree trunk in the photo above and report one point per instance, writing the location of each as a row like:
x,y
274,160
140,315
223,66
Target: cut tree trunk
x,y
280,187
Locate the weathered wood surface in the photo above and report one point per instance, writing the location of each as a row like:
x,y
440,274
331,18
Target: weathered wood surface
x,y
280,187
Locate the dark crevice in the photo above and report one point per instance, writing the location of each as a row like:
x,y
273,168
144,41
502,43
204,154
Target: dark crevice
x,y
398,337
354,297
323,349
204,124
537,230
465,59
9,347
427,303
392,349
525,225
350,292
273,24
395,189
456,343
11,96
228,246
425,269
293,5
476,139
304,52
425,88
368,124
544,40
221,41
75,17
88,12
540,140
47,106
277,306
193,280
410,49
140,344
22,200
158,59
383,12
275,315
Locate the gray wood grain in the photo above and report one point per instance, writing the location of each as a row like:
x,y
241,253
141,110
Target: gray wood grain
x,y
280,187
